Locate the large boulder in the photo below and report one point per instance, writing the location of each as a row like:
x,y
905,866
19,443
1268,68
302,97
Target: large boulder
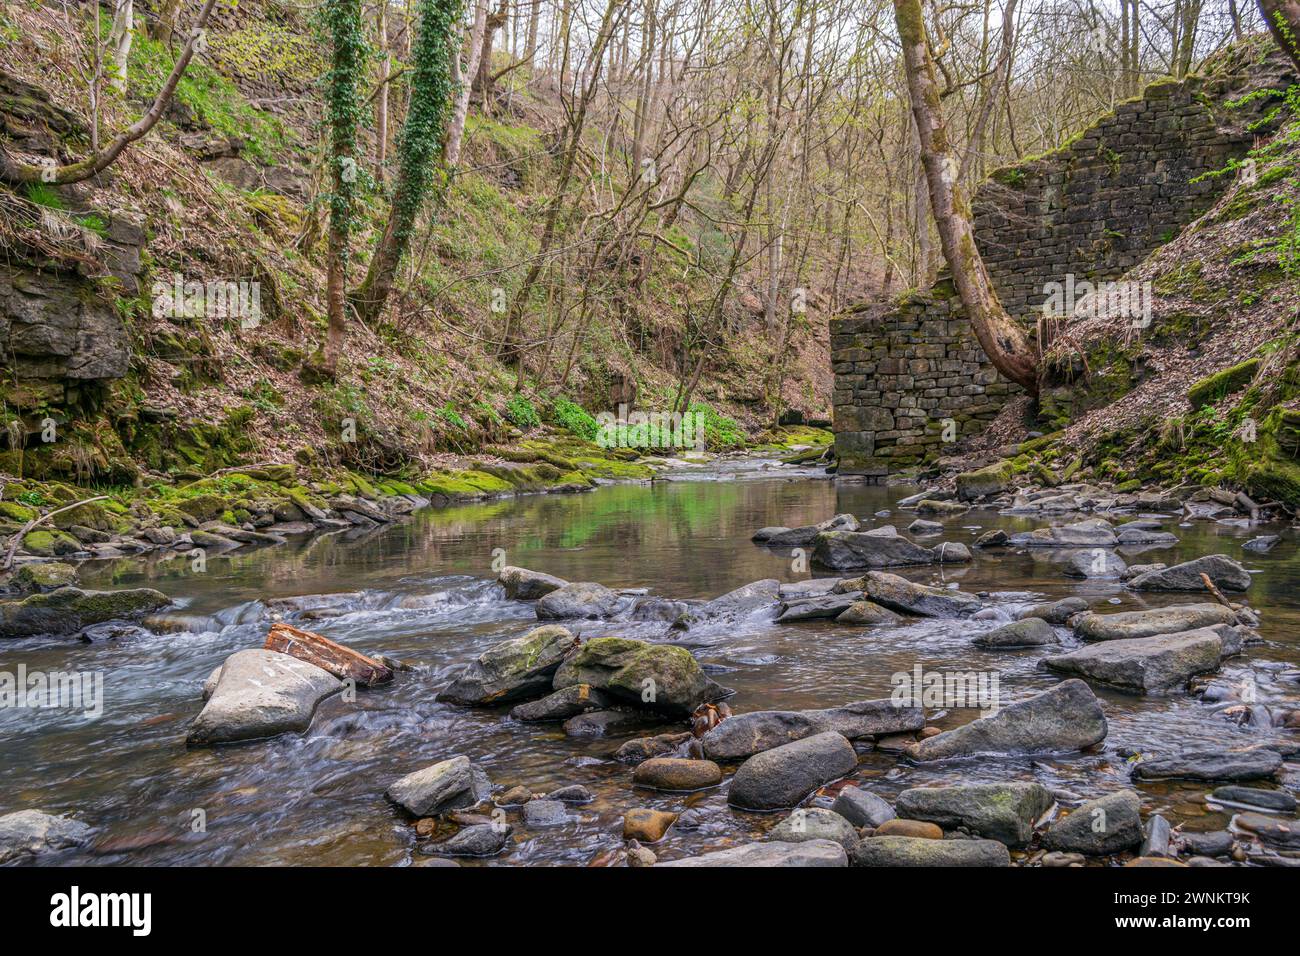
x,y
522,584
817,607
866,549
1057,613
1161,620
69,610
1093,533
783,776
918,851
1094,563
815,823
450,784
862,808
562,704
512,670
899,594
1144,664
580,600
663,677
1226,574
744,735
1005,812
771,853
803,537
1229,766
1063,718
1106,825
1026,632
27,834
756,601
991,480
260,693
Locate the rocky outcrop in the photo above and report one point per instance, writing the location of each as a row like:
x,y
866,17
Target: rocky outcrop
x,y
1144,664
744,735
917,851
512,670
899,594
662,677
1228,766
580,600
27,834
1027,632
1005,812
450,784
1106,825
783,776
1162,620
842,550
1226,574
1063,718
522,584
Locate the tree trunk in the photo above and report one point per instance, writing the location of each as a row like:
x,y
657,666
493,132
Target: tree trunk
x,y
420,143
119,40
343,100
381,101
1005,343
460,112
1283,19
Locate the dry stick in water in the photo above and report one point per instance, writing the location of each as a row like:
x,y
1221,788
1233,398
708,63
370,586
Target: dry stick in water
x,y
22,533
1218,595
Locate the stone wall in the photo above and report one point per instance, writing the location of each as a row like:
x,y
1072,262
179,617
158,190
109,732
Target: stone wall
x,y
1094,208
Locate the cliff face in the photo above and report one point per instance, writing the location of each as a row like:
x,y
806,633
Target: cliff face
x,y
910,381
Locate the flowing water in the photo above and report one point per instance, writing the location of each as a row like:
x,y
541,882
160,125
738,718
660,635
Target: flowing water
x,y
423,591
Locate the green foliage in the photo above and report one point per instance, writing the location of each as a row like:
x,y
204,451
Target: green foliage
x,y
210,96
44,195
522,412
573,417
452,417
720,432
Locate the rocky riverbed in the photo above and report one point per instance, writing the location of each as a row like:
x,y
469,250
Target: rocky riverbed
x,y
628,678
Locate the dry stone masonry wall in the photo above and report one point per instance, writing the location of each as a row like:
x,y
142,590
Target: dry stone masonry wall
x,y
909,375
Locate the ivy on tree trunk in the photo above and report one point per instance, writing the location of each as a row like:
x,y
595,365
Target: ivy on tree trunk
x,y
419,148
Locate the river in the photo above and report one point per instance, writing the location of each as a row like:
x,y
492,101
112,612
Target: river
x,y
423,591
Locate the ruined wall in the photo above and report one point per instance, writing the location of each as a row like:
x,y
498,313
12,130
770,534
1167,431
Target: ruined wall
x,y
1094,208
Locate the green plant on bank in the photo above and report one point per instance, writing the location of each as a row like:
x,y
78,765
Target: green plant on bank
x,y
573,417
521,412
720,432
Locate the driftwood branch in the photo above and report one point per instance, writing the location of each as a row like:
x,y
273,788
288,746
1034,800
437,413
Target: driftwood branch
x,y
342,662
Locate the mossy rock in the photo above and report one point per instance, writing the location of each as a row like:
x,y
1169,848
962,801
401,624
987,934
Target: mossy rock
x,y
1221,384
202,507
13,511
69,610
44,576
46,543
991,480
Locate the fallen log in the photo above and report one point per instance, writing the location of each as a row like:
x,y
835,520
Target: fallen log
x,y
343,662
